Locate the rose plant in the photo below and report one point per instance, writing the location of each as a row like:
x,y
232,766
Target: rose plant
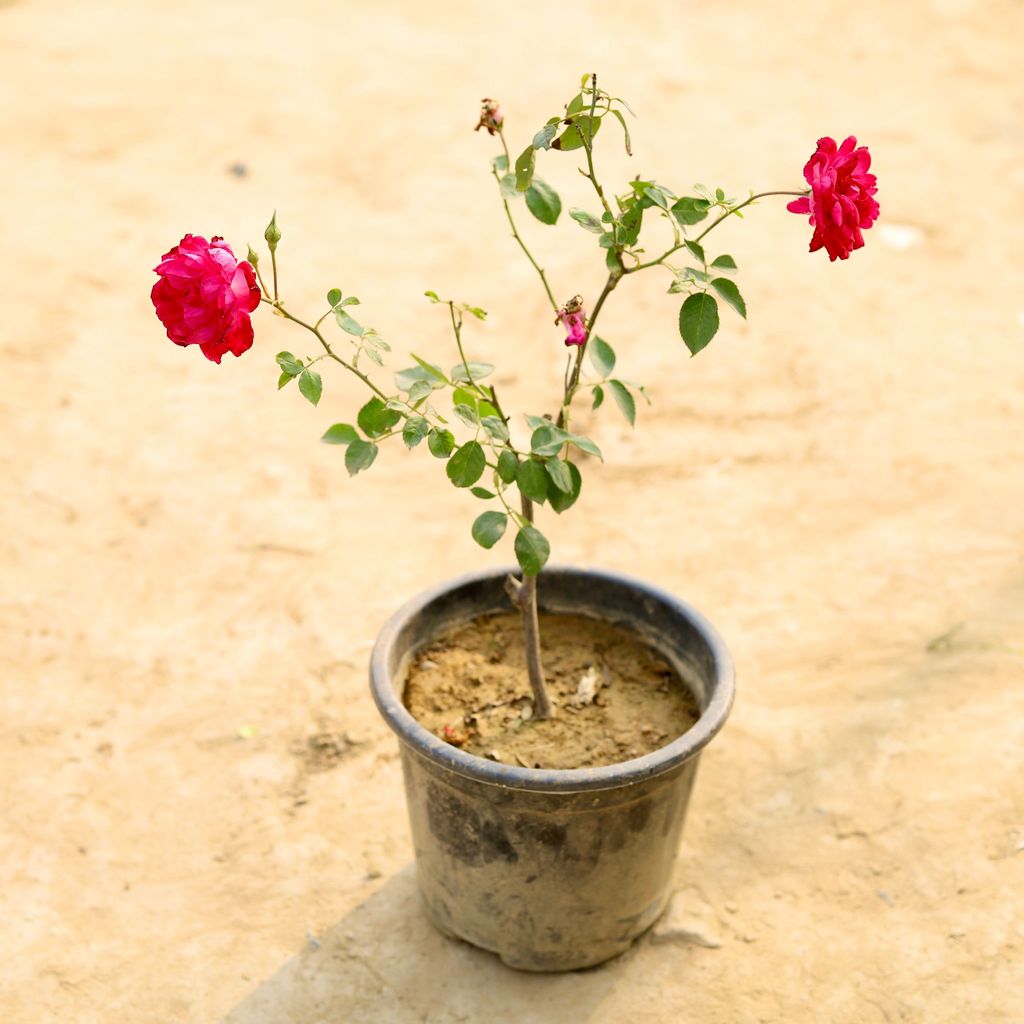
x,y
204,296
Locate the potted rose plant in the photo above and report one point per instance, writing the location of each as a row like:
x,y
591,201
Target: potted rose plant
x,y
550,719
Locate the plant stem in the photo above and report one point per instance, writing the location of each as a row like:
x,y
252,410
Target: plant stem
x,y
527,600
709,228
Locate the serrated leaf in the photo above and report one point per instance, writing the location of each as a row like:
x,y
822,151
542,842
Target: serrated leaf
x,y
547,440
333,297
543,202
495,426
689,210
724,263
415,429
698,321
728,290
346,323
311,385
467,414
558,473
466,466
598,396
359,456
542,140
489,528
624,400
532,550
507,466
289,364
586,445
440,442
524,168
340,433
476,371
375,418
587,220
697,250
419,390
561,500
532,480
601,356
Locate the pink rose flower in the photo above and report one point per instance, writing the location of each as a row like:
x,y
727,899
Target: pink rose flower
x,y
841,203
205,295
573,318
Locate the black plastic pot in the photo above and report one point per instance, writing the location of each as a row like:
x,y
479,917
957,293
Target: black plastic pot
x,y
561,869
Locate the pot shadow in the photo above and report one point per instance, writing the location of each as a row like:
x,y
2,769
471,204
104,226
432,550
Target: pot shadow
x,y
384,961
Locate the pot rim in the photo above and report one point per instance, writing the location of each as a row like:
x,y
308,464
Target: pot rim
x,y
611,776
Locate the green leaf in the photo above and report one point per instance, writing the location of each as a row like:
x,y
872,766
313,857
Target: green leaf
x,y
507,466
624,400
698,321
467,413
582,127
532,480
601,356
728,290
560,500
658,196
478,371
289,364
547,440
466,466
689,210
440,442
373,355
524,168
598,396
697,251
432,371
489,528
495,426
371,337
533,422
587,220
406,380
480,314
719,194
542,140
543,202
340,433
532,550
628,232
482,493
586,445
283,379
333,297
480,407
346,323
507,184
625,128
432,295
419,390
375,418
558,472
724,263
359,456
575,105
311,385
500,163
415,429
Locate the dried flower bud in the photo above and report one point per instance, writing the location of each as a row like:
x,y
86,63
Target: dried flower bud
x,y
491,116
573,318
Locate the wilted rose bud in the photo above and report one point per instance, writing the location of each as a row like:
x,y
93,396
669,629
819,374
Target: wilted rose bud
x,y
573,318
491,116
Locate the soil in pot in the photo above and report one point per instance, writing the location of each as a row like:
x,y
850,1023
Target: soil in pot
x,y
615,698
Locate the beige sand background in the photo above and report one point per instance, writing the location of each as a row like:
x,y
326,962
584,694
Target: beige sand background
x,y
202,813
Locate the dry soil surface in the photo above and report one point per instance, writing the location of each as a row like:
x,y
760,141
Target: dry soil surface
x,y
202,814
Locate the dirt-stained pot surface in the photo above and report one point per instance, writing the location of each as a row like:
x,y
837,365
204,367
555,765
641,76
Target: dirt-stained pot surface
x,y
614,697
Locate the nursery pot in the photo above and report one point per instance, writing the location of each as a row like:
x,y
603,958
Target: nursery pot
x,y
553,870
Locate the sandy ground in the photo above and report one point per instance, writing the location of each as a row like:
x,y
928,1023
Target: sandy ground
x,y
191,584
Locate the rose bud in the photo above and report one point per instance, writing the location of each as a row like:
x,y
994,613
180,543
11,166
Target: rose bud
x,y
573,318
205,295
491,116
841,203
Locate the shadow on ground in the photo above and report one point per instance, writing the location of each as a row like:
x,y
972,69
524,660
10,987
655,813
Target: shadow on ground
x,y
385,962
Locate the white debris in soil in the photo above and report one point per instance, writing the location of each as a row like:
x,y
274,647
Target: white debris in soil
x,y
687,921
586,691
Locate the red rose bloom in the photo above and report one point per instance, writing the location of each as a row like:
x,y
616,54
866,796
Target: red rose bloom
x,y
841,202
204,297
